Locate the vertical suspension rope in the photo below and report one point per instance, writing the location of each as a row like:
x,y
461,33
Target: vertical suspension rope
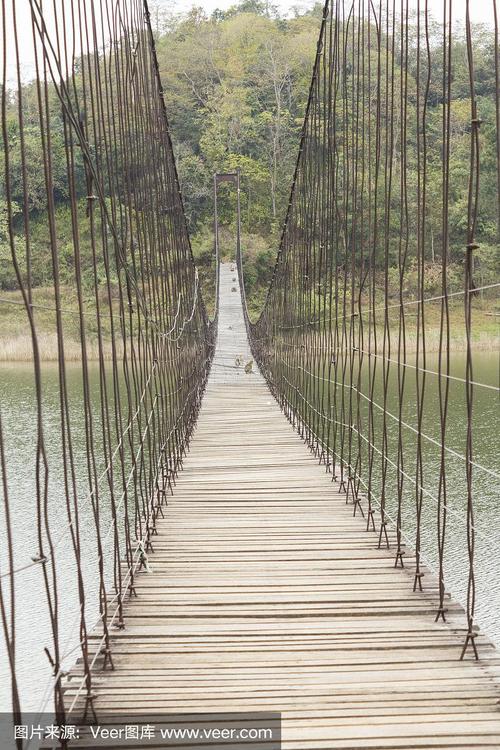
x,y
110,213
345,336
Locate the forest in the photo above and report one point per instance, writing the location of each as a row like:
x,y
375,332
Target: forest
x,y
236,84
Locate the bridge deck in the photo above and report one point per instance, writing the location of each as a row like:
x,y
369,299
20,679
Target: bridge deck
x,y
267,594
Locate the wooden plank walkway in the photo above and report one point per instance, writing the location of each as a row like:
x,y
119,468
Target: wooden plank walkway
x,y
267,594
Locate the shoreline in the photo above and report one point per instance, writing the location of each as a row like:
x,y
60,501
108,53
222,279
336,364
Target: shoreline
x,y
15,336
18,349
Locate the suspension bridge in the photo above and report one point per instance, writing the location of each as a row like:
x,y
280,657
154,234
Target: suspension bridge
x,y
256,524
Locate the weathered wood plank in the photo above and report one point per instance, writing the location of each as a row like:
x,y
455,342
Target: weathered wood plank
x,y
267,594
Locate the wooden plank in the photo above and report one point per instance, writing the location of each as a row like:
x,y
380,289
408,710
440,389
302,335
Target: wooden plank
x,y
266,593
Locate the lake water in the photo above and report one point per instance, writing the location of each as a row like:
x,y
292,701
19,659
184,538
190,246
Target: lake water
x,y
486,472
17,399
19,428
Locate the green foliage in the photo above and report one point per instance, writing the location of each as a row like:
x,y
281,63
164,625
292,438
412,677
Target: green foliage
x,y
8,277
236,85
34,166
